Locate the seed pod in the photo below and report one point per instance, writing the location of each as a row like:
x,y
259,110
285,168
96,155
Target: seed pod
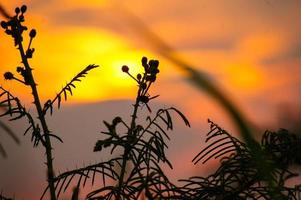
x,y
23,8
116,120
4,24
156,63
20,69
151,63
17,10
32,33
125,68
8,76
144,61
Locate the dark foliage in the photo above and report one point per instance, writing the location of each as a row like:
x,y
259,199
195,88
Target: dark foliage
x,y
67,90
143,148
238,177
136,172
15,28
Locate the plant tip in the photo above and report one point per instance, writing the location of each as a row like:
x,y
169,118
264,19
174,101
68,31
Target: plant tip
x,y
4,24
8,76
125,68
33,33
23,8
144,60
17,10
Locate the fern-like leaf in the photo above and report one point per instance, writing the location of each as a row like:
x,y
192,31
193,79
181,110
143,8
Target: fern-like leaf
x,y
238,177
222,145
67,90
105,169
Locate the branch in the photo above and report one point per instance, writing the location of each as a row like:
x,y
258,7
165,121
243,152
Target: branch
x,y
222,145
67,89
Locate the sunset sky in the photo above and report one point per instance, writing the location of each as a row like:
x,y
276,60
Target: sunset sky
x,y
251,49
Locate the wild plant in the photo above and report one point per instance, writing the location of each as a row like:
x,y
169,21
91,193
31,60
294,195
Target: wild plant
x,y
136,172
40,132
140,145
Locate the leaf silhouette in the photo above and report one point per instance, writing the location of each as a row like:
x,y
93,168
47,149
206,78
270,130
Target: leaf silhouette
x,y
239,177
63,181
67,89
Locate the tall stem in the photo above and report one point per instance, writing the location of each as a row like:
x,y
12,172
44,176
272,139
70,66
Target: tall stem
x,y
42,119
126,150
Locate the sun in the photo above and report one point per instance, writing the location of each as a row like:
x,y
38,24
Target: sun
x,y
62,53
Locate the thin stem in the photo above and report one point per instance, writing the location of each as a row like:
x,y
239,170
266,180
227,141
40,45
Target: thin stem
x,y
29,44
126,150
42,119
133,77
19,80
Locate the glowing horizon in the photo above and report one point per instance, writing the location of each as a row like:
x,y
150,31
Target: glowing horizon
x,y
251,50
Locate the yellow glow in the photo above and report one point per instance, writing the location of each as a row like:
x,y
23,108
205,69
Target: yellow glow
x,y
61,54
244,76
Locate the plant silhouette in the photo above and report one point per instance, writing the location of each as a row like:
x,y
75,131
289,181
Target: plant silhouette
x,y
238,176
40,133
136,172
143,148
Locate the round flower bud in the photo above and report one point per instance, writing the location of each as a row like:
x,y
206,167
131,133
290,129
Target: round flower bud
x,y
23,8
151,62
139,77
125,68
8,75
20,69
156,63
116,120
144,60
17,10
33,33
3,24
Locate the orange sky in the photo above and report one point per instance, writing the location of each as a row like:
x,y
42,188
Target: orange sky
x,y
239,44
252,49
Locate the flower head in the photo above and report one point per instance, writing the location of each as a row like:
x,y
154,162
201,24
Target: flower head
x,y
32,33
8,76
125,68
